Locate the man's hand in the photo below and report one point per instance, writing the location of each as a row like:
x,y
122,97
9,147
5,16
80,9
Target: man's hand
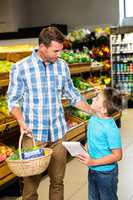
x,y
16,112
24,129
85,107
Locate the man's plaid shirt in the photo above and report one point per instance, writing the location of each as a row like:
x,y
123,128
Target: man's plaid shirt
x,y
38,89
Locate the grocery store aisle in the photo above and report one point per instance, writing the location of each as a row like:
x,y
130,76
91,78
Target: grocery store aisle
x,y
76,173
126,165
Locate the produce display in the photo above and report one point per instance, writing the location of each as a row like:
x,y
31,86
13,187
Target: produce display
x,y
17,48
100,82
2,118
81,85
97,44
77,35
5,66
3,106
75,57
5,152
99,53
78,113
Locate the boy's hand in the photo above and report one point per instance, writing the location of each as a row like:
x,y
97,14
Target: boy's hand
x,y
86,160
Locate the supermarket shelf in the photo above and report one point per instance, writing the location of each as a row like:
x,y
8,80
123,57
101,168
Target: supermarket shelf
x,y
79,68
122,52
125,81
14,56
4,83
75,131
7,179
5,174
4,79
121,30
122,73
4,75
79,137
97,68
8,123
121,43
4,170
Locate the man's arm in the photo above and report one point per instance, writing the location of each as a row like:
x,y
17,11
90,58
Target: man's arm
x,y
85,107
16,112
14,95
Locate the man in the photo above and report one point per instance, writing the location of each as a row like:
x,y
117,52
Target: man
x,y
37,84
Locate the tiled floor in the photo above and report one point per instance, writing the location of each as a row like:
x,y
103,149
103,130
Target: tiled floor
x,y
76,173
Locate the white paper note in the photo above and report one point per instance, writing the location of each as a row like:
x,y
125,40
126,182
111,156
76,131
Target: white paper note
x,y
75,148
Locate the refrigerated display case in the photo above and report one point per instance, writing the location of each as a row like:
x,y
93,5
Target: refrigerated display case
x,y
121,43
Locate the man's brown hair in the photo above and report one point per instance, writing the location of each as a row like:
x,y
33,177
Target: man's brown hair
x,y
113,100
49,34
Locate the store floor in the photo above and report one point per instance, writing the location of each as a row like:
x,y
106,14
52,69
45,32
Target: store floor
x,y
76,173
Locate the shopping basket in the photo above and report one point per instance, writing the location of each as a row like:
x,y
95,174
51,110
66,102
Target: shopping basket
x,y
29,167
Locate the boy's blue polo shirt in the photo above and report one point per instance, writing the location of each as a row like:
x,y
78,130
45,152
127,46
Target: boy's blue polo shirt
x,y
103,135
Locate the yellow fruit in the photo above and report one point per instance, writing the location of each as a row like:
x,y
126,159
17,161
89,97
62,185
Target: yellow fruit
x,y
46,152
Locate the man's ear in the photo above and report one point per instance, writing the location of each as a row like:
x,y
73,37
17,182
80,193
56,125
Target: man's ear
x,y
42,45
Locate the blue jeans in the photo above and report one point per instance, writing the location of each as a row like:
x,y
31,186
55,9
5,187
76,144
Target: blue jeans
x,y
103,185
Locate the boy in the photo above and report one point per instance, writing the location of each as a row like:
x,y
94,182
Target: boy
x,y
104,146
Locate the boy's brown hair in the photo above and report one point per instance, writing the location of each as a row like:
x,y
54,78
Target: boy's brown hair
x,y
49,34
113,100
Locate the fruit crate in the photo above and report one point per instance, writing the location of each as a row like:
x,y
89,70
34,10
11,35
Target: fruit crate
x,y
3,55
4,79
77,130
4,170
79,67
16,56
7,123
5,174
4,75
10,136
9,131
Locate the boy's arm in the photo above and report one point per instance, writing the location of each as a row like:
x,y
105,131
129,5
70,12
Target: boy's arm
x,y
114,157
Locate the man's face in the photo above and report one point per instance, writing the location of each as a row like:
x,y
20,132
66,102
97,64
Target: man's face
x,y
51,53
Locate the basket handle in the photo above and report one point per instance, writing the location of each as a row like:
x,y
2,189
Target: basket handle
x,y
20,143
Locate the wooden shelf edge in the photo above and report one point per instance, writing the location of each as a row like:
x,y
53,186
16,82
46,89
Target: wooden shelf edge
x,y
4,82
7,179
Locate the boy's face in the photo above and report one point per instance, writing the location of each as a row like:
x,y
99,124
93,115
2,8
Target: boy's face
x,y
98,103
